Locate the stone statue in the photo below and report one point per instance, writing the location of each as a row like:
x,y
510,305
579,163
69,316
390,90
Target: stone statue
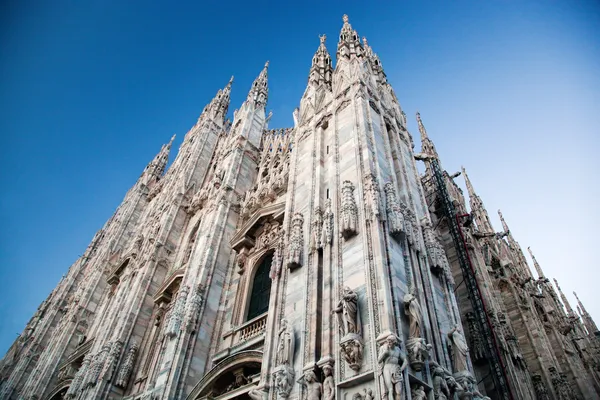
x,y
459,349
352,351
283,378
369,394
440,388
391,366
418,352
453,386
418,393
328,385
347,313
314,389
413,310
285,347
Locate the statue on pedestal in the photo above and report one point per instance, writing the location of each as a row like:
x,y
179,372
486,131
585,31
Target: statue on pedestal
x,y
391,366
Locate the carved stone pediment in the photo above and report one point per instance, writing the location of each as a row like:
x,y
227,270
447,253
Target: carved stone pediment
x,y
245,236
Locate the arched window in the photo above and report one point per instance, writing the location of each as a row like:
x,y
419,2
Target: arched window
x,y
261,289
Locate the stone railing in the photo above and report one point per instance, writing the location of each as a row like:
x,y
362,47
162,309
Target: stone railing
x,y
252,328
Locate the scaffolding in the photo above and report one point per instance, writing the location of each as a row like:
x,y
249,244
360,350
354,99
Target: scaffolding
x,y
498,371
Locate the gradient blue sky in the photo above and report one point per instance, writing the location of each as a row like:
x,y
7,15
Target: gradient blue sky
x,y
90,90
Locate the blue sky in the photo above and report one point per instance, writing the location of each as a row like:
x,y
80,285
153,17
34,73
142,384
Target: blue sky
x,y
90,90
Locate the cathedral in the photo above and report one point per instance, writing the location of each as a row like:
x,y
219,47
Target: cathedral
x,y
308,263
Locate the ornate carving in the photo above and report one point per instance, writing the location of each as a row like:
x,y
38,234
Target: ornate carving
x,y
541,393
317,229
351,348
192,307
174,325
418,352
349,211
561,386
372,198
394,213
78,380
391,368
127,367
477,344
111,361
283,379
296,242
418,393
242,257
277,255
327,235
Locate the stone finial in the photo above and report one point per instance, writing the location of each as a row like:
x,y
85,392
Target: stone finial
x,y
322,38
345,18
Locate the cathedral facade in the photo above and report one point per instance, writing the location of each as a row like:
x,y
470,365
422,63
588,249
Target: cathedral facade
x,y
311,262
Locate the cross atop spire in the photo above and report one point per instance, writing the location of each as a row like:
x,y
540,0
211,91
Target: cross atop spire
x,y
570,312
260,88
538,269
349,44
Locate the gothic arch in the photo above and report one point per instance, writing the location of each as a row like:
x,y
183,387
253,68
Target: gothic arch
x,y
249,358
249,289
59,391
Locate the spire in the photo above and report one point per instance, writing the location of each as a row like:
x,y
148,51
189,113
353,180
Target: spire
x,y
538,269
156,167
427,146
259,91
570,312
321,69
218,106
589,323
504,225
349,45
478,210
470,189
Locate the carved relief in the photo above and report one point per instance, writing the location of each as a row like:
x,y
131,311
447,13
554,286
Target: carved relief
x,y
351,348
296,244
111,360
349,211
127,367
418,393
177,313
283,379
192,308
317,228
539,387
477,344
327,234
372,198
394,213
